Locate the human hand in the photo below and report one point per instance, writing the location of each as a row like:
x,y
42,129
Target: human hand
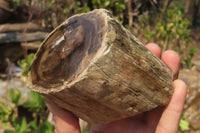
x,y
159,120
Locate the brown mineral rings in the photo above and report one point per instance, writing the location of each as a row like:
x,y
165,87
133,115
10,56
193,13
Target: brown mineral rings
x,y
54,62
73,37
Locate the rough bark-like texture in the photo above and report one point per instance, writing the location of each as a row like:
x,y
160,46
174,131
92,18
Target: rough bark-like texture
x,y
92,66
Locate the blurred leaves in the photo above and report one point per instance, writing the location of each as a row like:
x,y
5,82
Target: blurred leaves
x,y
50,4
184,124
14,95
36,104
25,64
188,58
20,126
46,127
9,114
170,30
5,112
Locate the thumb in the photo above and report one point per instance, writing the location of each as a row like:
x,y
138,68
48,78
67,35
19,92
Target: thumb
x,y
169,121
65,121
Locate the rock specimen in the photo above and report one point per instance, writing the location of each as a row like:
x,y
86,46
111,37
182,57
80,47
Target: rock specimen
x,y
92,66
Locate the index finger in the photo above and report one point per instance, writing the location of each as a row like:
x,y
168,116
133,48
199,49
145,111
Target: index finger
x,y
169,57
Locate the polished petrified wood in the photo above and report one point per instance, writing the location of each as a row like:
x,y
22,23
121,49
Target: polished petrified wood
x,y
92,66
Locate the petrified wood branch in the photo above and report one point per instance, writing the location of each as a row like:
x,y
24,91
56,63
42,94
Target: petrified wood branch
x,y
92,66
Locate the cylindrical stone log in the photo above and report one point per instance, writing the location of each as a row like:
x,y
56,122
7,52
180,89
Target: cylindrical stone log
x,y
94,67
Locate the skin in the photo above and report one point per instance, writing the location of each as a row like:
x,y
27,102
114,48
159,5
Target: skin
x,y
160,120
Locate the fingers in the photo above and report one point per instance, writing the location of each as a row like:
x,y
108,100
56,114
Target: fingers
x,y
169,121
155,49
169,57
65,122
170,118
172,60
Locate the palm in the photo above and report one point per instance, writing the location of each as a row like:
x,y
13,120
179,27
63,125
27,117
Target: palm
x,y
143,123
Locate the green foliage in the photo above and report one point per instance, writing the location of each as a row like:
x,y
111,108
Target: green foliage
x,y
84,10
101,3
169,29
26,63
5,113
117,7
174,26
36,106
17,1
184,124
192,51
20,126
188,58
66,10
50,4
14,95
9,131
46,127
